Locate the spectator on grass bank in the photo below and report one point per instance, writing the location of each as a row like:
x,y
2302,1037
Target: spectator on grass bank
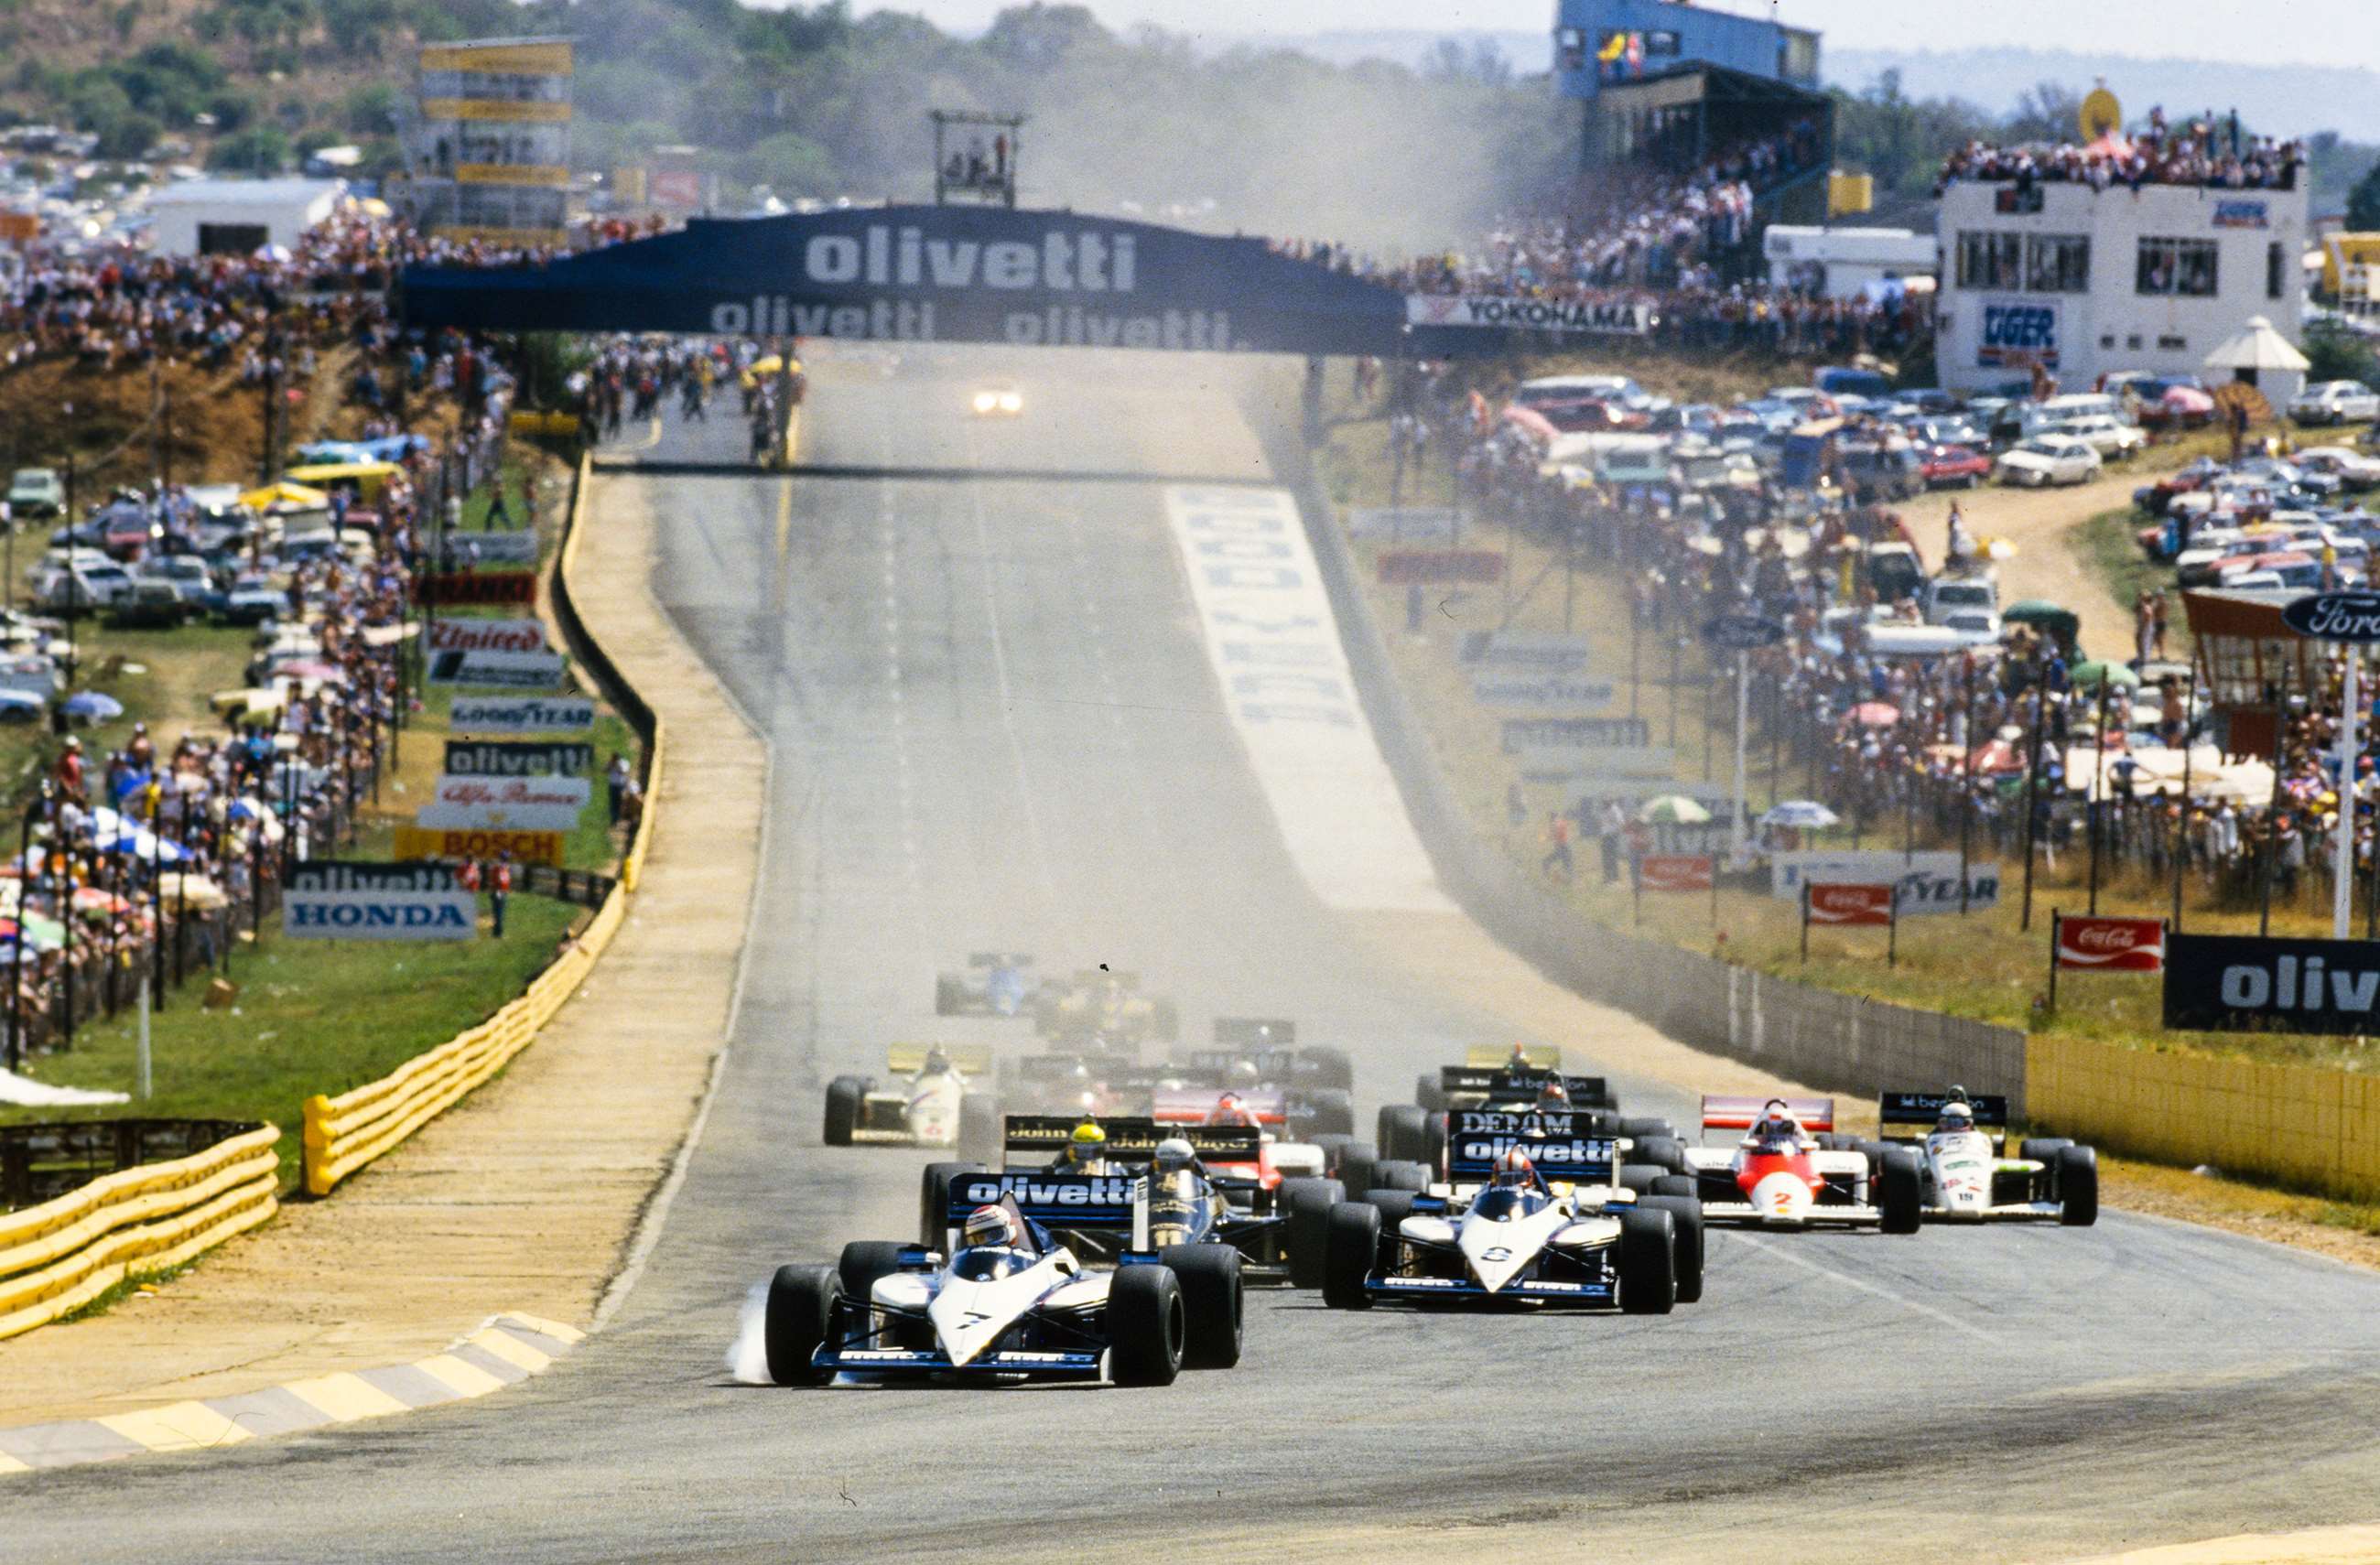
x,y
1612,832
616,778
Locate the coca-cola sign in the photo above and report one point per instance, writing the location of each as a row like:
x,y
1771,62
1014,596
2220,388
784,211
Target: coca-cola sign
x,y
2111,945
2335,616
1836,903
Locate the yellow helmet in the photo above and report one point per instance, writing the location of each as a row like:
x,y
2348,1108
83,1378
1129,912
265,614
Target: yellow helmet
x,y
1090,1137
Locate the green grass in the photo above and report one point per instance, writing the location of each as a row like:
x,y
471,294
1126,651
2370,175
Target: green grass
x,y
2106,547
123,1288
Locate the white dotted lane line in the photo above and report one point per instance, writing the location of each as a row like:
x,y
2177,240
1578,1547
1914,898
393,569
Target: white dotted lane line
x,y
904,784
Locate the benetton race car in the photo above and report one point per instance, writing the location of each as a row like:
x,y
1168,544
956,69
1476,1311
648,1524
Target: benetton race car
x,y
1781,1175
933,1106
995,984
1532,1214
1966,1171
1104,1007
1520,1081
1001,1300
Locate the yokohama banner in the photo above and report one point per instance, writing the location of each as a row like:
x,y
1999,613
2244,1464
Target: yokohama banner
x,y
2110,945
1626,318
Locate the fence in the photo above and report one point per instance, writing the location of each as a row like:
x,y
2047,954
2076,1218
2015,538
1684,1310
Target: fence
x,y
41,1162
58,1256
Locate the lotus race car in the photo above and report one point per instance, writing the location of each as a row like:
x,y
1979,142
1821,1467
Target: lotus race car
x,y
935,1106
1784,1174
1965,1169
1106,1007
995,984
1022,1309
1552,1228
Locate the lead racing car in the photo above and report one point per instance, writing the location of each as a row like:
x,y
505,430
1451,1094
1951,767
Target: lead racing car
x,y
1001,1300
933,1103
1789,1170
996,983
1965,1169
1532,1214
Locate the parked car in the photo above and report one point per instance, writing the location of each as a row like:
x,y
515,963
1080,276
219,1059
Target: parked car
x,y
253,600
2111,438
153,605
2047,459
2336,402
81,589
1955,466
36,491
2354,471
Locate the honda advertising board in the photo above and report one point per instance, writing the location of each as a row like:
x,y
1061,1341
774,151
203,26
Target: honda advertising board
x,y
520,803
331,901
2256,984
2090,944
510,671
521,715
480,758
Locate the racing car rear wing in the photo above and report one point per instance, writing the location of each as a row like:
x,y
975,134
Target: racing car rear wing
x,y
1923,1109
1178,1107
1557,1142
1814,1114
1487,1057
1133,1139
1044,1069
1092,977
968,1059
1085,1202
1473,1080
1255,1032
999,959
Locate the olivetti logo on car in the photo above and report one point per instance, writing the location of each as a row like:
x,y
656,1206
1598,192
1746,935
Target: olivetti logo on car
x,y
1099,1191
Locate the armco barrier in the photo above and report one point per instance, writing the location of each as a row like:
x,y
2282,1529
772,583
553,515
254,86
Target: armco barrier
x,y
58,1256
2304,1126
344,1134
1836,1041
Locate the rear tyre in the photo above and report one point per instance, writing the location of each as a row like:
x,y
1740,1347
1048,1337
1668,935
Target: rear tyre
x,y
1356,1165
1306,1226
865,1261
844,1096
934,1200
800,1313
1686,1232
946,997
1394,1206
1430,1093
1213,1304
1401,1175
1330,1111
1648,1274
1399,1130
1638,1130
2078,1186
1332,1148
980,1127
1900,1191
1352,1247
1148,1325
1433,1144
1664,1151
1676,1184
1639,1177
2044,1149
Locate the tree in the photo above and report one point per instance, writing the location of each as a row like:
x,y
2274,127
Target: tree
x,y
2363,203
261,149
129,136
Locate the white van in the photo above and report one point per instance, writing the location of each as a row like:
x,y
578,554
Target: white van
x,y
2085,405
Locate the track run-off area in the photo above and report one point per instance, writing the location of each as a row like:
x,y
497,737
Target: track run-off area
x,y
995,721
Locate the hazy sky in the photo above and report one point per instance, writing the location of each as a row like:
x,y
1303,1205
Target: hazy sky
x,y
2336,33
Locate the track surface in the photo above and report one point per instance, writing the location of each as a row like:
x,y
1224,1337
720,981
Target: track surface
x,y
1056,775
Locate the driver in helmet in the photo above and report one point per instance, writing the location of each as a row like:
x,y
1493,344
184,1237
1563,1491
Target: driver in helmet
x,y
1086,1151
1553,1097
994,1228
1230,1109
936,1064
1957,1118
1518,1061
1515,1170
1776,1130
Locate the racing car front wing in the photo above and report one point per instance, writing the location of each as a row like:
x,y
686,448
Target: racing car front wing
x,y
1581,1295
906,1363
1744,1214
2010,1211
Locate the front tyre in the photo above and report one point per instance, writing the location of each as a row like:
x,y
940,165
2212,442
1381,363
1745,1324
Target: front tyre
x,y
1351,1245
1648,1274
1213,1304
800,1312
1148,1325
1900,1191
844,1097
2078,1186
1306,1226
1686,1227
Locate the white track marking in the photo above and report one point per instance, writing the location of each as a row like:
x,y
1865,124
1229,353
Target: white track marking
x,y
1784,1254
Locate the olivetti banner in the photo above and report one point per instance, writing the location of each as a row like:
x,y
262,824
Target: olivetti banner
x,y
2251,984
960,274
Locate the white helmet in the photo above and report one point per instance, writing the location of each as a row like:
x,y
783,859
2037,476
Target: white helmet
x,y
992,1225
1957,1118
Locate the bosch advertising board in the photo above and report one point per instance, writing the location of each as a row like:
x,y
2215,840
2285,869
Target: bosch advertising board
x,y
2018,333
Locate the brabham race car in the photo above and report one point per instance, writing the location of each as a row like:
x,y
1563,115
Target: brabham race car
x,y
1965,1171
1104,1007
1781,1175
1001,1300
933,1105
996,983
1532,1214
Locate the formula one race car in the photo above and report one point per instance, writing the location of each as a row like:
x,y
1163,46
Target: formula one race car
x,y
995,984
1965,1171
1520,1081
1001,1299
933,1105
1532,1213
1781,1175
1105,1007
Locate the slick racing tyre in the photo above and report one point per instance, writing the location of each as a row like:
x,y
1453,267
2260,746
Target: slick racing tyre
x,y
2078,1186
1676,1184
1648,1263
1639,1177
1637,1130
801,1312
1433,1144
934,1200
1148,1325
1394,1206
1900,1191
1667,1151
1328,1110
1356,1161
1429,1093
844,1096
1306,1226
1686,1224
1352,1247
2044,1149
1401,1175
1213,1304
1399,1130
1332,1148
865,1261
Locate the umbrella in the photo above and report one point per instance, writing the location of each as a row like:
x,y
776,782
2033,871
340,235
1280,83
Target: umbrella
x,y
1876,714
92,705
1673,810
1800,815
195,891
2086,676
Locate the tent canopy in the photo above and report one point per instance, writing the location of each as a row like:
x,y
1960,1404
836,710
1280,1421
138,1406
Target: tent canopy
x,y
2257,347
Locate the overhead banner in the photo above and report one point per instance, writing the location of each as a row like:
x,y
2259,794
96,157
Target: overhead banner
x,y
487,636
1620,317
331,901
521,715
510,671
479,757
2251,984
519,804
525,847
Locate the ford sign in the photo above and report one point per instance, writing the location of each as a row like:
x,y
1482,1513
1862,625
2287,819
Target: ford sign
x,y
2335,616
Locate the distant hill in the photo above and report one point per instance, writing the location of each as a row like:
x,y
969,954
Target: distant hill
x,y
1530,53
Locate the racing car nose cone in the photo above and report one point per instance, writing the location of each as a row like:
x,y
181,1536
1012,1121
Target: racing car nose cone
x,y
1494,1252
967,1318
1780,1195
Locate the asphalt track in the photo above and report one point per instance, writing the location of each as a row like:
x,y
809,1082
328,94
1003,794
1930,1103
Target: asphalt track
x,y
1057,775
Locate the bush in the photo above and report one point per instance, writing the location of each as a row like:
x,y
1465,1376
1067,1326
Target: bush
x,y
129,136
261,149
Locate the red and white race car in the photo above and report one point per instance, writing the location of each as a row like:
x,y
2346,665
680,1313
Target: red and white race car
x,y
1788,1171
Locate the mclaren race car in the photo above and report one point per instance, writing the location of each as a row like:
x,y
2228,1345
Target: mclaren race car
x,y
1781,1175
1964,1169
1001,1299
1104,1007
995,984
1531,1214
931,1103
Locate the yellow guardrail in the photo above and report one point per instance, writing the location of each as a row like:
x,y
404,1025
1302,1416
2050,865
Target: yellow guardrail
x,y
2303,1125
61,1255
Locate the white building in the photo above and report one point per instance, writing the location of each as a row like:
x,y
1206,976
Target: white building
x,y
1840,264
2093,281
239,216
